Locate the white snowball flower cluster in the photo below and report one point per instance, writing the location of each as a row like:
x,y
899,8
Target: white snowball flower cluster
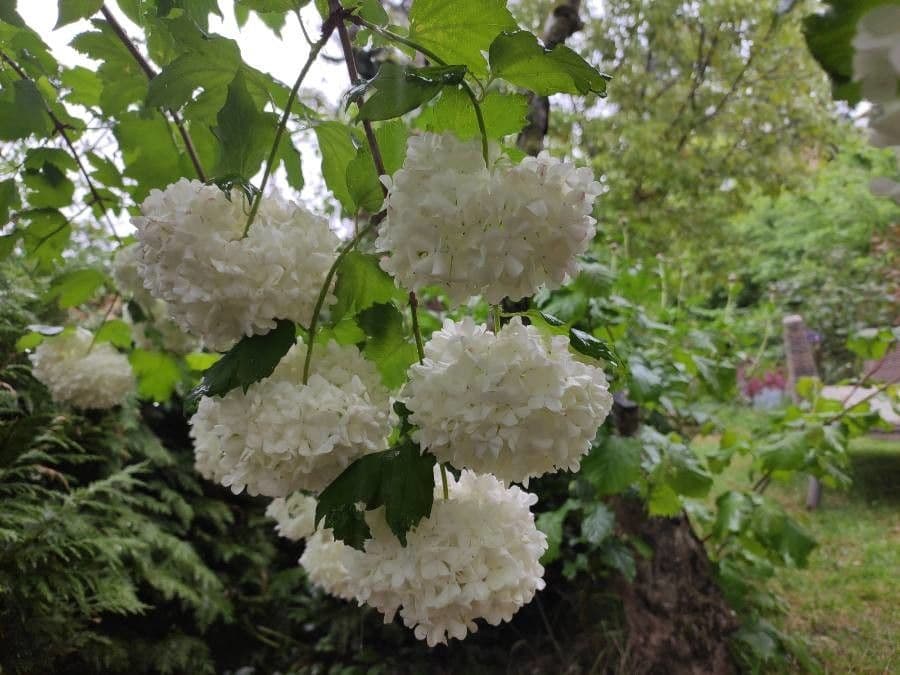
x,y
219,285
516,404
295,516
332,565
876,66
168,334
85,376
282,435
476,557
499,231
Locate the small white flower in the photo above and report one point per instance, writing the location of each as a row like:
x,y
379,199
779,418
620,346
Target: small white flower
x,y
471,229
220,285
157,329
331,565
516,404
84,376
282,435
295,516
475,557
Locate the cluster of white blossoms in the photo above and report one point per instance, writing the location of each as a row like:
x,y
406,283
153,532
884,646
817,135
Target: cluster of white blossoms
x,y
220,285
516,404
876,66
499,231
282,435
475,557
168,334
82,373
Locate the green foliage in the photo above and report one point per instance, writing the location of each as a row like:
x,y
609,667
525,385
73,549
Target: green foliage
x,y
518,58
400,89
244,132
504,114
252,359
400,479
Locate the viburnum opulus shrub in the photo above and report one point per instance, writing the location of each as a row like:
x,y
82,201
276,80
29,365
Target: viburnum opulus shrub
x,y
395,456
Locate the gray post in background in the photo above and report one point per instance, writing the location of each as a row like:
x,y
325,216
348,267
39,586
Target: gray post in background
x,y
800,363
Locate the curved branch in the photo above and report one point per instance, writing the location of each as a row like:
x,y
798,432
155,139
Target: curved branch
x,y
150,72
60,128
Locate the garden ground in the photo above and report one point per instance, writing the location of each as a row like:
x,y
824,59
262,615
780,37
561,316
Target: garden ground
x,y
846,604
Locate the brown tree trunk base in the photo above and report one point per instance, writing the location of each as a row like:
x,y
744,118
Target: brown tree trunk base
x,y
677,618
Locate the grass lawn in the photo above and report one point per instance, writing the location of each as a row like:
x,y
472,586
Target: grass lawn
x,y
846,603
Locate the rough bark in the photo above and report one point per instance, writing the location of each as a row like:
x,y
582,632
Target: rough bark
x,y
562,23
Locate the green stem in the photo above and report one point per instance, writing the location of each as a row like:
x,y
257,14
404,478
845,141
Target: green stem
x,y
496,312
282,124
413,306
320,301
394,37
444,482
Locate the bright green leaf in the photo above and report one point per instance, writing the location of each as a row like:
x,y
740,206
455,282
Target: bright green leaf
x,y
157,373
518,58
360,284
73,288
337,150
613,465
504,114
115,331
387,344
73,10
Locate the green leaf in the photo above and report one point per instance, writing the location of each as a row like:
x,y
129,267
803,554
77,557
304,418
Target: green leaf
x,y
84,85
459,31
273,5
504,114
73,10
360,284
399,89
75,287
212,65
362,178
244,132
9,199
613,465
157,373
200,361
518,58
115,331
23,112
337,150
48,187
29,341
733,511
871,343
597,524
387,344
400,479
617,556
551,524
7,245
595,348
122,80
46,236
149,153
645,383
663,500
250,360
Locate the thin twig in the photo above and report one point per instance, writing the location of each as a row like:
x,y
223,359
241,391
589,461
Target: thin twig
x,y
60,128
150,72
327,29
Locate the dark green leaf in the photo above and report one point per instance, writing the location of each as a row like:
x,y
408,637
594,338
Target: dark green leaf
x,y
459,31
518,58
250,360
613,465
212,66
551,524
361,283
595,348
244,132
362,178
9,199
46,236
617,556
399,89
400,479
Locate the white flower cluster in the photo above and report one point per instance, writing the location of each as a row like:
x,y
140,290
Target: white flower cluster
x,y
85,376
218,284
515,404
282,435
169,335
500,231
295,516
476,557
876,66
